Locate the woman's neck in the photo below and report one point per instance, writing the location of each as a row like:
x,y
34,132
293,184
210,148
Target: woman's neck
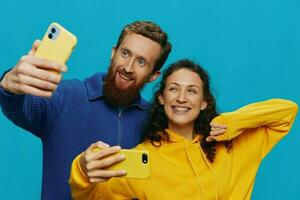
x,y
186,131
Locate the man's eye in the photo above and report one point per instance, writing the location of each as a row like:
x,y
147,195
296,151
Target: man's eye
x,y
124,54
141,62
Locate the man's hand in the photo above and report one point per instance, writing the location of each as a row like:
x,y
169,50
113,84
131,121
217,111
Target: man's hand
x,y
96,158
216,129
33,75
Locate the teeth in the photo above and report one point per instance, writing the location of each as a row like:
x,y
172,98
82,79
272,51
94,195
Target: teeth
x,y
176,108
124,77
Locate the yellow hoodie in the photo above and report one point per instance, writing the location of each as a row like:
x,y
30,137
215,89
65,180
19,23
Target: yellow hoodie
x,y
180,170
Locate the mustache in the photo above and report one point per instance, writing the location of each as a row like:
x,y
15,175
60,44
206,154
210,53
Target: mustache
x,y
130,75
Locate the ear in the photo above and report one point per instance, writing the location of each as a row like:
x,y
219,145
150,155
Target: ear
x,y
113,51
204,105
160,100
154,76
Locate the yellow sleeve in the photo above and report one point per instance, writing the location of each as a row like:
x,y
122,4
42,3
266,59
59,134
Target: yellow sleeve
x,y
82,189
265,123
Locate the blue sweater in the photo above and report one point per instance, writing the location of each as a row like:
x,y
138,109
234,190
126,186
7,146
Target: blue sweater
x,y
68,122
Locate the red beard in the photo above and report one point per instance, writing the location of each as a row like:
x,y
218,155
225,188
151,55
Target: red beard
x,y
121,97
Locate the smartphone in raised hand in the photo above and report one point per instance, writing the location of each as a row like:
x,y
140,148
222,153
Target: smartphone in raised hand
x,y
57,44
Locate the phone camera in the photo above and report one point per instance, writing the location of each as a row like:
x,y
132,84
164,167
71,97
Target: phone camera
x,y
50,36
145,158
53,30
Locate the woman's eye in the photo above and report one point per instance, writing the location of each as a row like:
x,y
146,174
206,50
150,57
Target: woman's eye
x,y
192,91
172,89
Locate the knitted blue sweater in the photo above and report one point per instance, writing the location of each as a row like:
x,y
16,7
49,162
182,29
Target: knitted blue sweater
x,y
68,122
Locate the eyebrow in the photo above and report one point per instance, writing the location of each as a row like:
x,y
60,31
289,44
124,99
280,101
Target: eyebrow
x,y
125,49
188,85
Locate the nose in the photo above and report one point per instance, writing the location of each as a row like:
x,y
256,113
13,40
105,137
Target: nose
x,y
181,98
129,66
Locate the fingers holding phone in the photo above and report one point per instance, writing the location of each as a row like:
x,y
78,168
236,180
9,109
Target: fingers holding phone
x,y
34,47
97,158
31,76
39,72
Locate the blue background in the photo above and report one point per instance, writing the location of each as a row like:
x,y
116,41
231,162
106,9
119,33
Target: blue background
x,y
250,48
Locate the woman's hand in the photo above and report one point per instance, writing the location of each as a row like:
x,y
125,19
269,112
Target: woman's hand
x,y
98,157
216,129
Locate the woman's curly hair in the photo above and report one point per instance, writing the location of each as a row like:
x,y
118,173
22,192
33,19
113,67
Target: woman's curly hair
x,y
157,120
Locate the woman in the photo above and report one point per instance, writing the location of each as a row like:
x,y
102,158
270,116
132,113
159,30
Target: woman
x,y
192,157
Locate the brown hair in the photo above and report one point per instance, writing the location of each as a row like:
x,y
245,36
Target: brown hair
x,y
157,122
152,31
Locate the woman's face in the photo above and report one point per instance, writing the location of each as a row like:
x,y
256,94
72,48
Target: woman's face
x,y
183,98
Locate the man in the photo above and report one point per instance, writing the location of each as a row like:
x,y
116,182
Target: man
x,y
76,113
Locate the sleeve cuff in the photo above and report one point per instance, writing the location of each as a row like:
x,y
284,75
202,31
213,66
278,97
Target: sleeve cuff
x,y
6,93
221,120
77,175
9,97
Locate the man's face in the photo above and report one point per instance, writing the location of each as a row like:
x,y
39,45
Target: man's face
x,y
134,60
131,68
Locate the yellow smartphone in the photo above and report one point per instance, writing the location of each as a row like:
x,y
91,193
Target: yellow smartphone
x,y
136,163
57,44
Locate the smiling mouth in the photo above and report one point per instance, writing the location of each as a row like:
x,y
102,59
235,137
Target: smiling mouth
x,y
180,109
124,77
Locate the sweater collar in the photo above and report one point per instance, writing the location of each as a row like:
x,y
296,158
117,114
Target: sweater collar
x,y
174,137
94,89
